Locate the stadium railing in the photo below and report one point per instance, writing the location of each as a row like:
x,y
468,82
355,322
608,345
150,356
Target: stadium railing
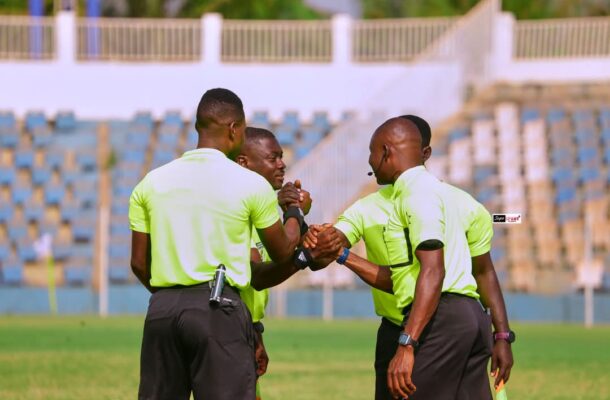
x,y
138,39
27,38
276,41
562,38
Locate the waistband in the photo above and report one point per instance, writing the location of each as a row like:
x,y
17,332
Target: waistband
x,y
203,285
407,309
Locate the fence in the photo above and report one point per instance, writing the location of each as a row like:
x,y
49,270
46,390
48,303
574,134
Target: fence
x,y
397,39
27,38
120,39
276,41
572,37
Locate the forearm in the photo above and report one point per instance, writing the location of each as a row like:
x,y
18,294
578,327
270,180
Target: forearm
x,y
143,275
427,295
269,274
372,274
491,295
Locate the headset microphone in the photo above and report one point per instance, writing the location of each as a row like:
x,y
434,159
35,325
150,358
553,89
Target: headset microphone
x,y
385,153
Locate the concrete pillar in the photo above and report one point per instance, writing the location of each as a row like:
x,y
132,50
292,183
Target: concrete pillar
x,y
65,25
342,39
502,44
211,29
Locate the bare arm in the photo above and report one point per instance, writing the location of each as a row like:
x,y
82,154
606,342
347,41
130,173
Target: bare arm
x,y
141,258
372,274
491,297
281,240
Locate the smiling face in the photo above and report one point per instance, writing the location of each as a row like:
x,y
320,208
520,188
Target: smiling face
x,y
264,156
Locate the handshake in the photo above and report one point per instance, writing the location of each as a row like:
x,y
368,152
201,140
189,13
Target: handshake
x,y
324,243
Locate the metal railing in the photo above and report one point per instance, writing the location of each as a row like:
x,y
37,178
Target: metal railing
x,y
276,41
398,39
122,39
562,38
27,38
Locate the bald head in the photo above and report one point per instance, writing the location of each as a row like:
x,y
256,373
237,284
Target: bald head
x,y
399,132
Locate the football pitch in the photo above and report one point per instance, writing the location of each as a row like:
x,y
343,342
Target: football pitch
x,y
85,357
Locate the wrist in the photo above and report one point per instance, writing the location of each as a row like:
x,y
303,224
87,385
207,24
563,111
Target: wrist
x,y
507,336
343,255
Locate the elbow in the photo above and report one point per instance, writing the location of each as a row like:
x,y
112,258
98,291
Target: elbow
x,y
136,267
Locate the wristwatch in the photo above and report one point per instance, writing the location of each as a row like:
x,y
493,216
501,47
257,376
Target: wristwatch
x,y
406,340
508,336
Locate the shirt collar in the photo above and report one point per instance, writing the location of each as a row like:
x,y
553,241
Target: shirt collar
x,y
407,177
204,152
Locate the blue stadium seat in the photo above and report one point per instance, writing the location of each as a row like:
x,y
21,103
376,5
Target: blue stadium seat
x,y
133,156
33,212
7,119
173,118
291,119
606,135
137,139
260,119
191,140
562,174
483,173
5,252
607,154
457,134
17,231
6,212
40,176
555,114
162,156
54,159
24,158
120,250
486,194
12,273
120,206
69,212
62,251
54,194
83,230
285,135
85,192
579,116
119,270
25,251
86,160
20,193
34,120
301,151
529,114
82,251
320,120
312,136
143,119
9,138
586,154
41,137
127,170
566,216
65,121
168,139
78,273
589,174
565,194
560,155
7,176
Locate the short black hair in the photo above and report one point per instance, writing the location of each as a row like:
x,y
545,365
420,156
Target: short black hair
x,y
219,106
422,126
255,134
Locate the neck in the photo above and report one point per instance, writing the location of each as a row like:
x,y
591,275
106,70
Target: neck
x,y
403,167
209,143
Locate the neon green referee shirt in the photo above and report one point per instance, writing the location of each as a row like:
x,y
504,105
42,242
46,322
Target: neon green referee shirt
x,y
366,219
256,300
199,211
425,209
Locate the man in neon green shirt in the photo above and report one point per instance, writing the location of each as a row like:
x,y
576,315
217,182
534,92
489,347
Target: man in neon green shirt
x,y
262,154
187,217
368,217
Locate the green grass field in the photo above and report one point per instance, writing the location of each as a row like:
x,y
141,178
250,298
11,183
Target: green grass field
x,y
69,358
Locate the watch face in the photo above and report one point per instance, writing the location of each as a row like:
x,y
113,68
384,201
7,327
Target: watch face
x,y
511,336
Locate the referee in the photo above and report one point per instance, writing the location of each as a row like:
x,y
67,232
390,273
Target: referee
x,y
366,219
188,217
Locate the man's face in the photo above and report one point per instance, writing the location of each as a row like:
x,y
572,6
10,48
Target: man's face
x,y
378,160
264,156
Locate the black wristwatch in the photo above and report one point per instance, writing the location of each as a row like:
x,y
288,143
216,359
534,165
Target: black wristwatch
x,y
406,340
259,327
508,336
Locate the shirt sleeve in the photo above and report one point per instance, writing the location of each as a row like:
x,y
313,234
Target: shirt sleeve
x,y
480,232
139,217
350,223
263,206
425,218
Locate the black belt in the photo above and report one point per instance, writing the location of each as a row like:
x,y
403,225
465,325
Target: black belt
x,y
407,309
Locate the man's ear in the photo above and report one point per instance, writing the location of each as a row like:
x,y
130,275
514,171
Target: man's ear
x,y
426,152
242,160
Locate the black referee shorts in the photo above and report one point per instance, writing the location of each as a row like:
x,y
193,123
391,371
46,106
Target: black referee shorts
x,y
189,345
385,349
455,348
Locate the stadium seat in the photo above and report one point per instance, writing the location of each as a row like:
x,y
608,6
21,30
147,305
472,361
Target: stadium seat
x,y
138,139
565,194
86,160
7,176
65,121
25,250
260,119
83,230
85,192
48,227
162,156
6,212
120,206
24,158
119,225
285,135
81,251
291,119
173,118
41,175
41,137
54,158
555,114
483,173
562,174
9,138
20,193
119,270
54,194
32,211
69,211
143,120
457,134
320,120
191,140
7,119
5,252
17,230
34,120
120,249
312,136
132,155
12,273
589,174
168,138
78,272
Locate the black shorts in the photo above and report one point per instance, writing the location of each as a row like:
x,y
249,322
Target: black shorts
x,y
189,345
451,362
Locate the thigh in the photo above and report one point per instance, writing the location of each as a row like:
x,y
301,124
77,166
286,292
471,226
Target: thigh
x,y
385,349
444,350
475,383
222,363
163,373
